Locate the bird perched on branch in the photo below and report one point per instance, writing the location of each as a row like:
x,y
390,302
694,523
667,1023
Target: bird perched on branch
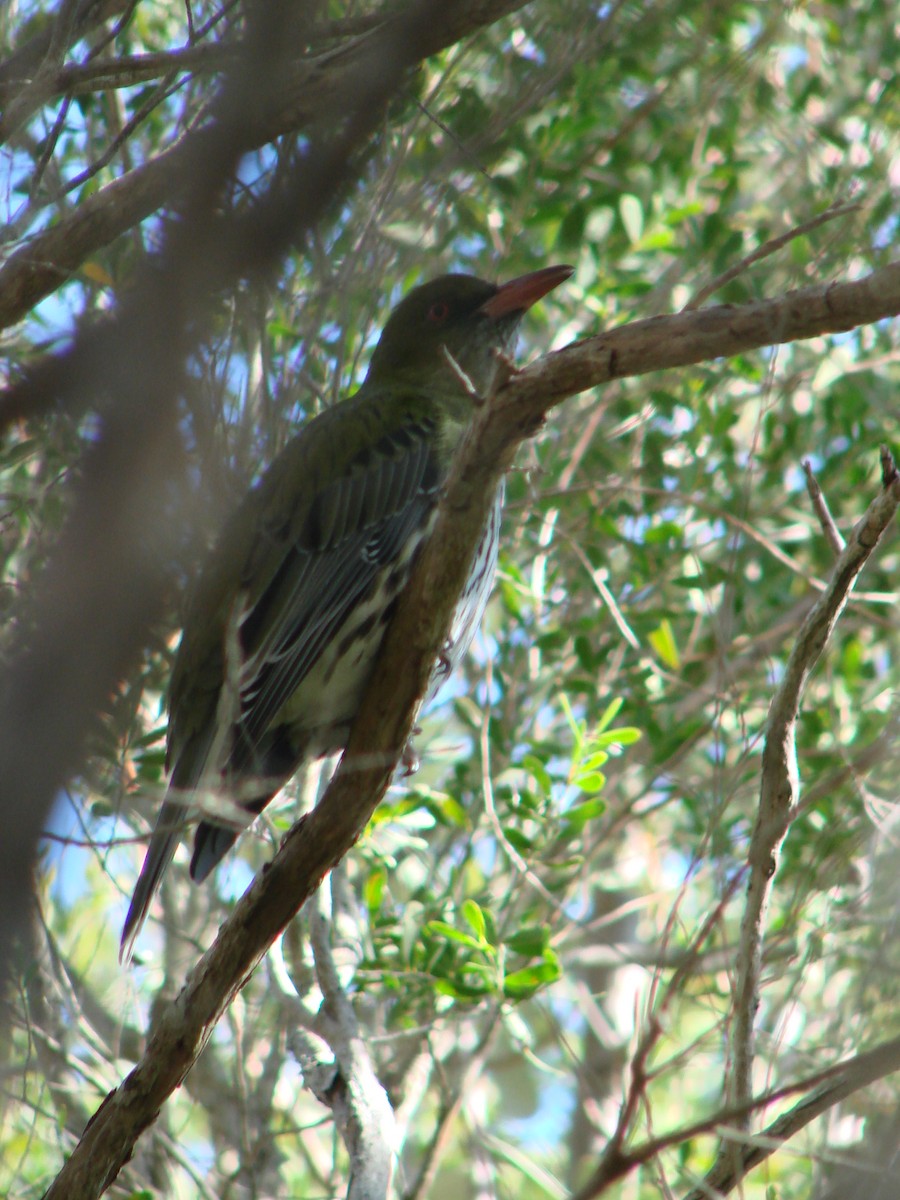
x,y
289,612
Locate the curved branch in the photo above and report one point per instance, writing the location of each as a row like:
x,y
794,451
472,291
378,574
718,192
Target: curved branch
x,y
779,788
658,343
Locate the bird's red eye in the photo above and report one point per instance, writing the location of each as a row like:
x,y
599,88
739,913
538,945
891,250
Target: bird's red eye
x,y
439,312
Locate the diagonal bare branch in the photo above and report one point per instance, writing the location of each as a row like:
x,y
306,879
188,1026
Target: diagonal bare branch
x,y
823,1090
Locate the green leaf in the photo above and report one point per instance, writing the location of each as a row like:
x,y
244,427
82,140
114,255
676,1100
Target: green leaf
x,y
625,735
518,840
470,713
535,767
664,532
474,917
579,814
662,639
609,715
441,929
531,941
574,725
373,890
461,991
590,781
19,452
597,759
632,215
519,985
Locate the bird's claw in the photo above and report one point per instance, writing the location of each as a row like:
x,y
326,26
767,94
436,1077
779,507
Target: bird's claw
x,y
409,758
506,368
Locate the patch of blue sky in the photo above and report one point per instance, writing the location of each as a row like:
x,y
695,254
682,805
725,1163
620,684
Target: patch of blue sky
x,y
677,869
836,447
634,527
795,478
234,876
466,248
484,850
794,57
52,320
885,235
255,168
15,180
679,422
544,1130
60,850
847,337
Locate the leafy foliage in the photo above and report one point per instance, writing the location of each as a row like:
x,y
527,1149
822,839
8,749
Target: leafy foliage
x,y
520,912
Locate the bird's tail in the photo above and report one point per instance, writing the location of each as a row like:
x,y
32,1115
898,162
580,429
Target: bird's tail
x,y
163,842
211,843
213,840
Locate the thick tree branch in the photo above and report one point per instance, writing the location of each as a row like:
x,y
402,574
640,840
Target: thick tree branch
x,y
657,343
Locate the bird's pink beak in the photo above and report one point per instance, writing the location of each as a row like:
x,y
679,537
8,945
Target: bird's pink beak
x,y
519,294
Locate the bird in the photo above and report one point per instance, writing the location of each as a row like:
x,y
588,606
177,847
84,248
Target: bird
x,y
283,625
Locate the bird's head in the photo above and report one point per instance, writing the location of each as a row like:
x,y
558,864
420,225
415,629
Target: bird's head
x,y
444,336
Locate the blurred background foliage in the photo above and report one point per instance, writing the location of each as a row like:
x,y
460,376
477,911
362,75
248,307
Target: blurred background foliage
x,y
517,909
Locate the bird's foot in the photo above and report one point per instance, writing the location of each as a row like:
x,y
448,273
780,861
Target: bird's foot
x,y
506,369
409,758
445,662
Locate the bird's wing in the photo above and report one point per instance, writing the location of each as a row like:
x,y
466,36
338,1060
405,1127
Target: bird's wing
x,y
300,553
357,524
295,558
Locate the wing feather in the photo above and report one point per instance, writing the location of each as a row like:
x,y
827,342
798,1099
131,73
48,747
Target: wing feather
x,y
360,524
302,549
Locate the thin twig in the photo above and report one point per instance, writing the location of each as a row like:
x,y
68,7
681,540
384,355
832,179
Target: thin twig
x,y
487,788
766,249
615,1156
166,88
822,511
